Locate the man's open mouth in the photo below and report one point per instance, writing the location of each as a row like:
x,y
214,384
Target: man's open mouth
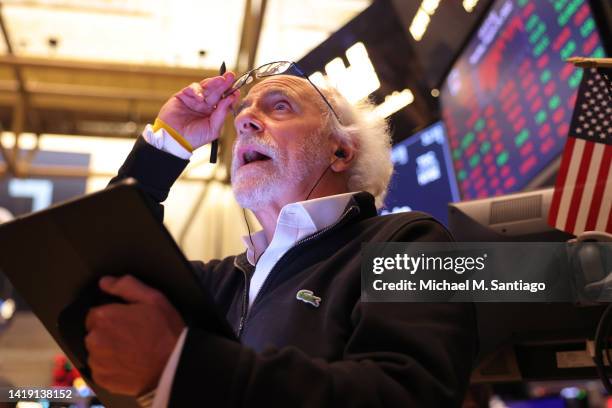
x,y
252,156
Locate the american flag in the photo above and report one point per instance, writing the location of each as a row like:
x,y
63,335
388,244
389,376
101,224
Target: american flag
x,y
582,200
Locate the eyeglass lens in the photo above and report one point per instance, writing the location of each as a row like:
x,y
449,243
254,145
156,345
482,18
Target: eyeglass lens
x,y
273,68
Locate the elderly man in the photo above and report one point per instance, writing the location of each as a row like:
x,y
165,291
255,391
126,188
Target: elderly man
x,y
312,168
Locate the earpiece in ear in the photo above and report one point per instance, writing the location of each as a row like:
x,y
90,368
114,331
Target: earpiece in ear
x,y
340,154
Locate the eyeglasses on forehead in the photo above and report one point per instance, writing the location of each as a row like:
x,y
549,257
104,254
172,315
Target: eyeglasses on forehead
x,y
271,69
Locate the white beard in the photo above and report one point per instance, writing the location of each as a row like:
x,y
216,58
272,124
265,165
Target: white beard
x,y
256,188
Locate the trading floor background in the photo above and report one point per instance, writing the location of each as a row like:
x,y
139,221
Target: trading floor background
x,y
478,94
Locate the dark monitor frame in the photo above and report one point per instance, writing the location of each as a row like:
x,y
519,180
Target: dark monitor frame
x,y
602,14
416,130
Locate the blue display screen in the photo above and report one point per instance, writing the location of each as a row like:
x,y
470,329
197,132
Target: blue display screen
x,y
508,100
423,177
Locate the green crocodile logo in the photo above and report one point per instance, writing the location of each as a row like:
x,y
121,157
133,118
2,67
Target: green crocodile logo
x,y
307,296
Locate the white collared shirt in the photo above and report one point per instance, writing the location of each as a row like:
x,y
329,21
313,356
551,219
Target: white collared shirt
x,y
295,222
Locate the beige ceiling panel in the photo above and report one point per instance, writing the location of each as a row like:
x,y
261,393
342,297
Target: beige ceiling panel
x,y
156,32
292,28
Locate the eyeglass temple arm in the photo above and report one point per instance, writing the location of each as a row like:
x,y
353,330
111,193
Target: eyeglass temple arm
x,y
299,71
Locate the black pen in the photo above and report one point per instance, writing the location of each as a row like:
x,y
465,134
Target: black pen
x,y
214,147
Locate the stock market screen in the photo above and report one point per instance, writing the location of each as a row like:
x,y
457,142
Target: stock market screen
x,y
423,177
509,97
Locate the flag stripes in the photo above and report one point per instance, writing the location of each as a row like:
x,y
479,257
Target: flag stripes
x,y
599,190
582,200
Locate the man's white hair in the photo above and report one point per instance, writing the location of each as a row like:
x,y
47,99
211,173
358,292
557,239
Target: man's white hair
x,y
368,134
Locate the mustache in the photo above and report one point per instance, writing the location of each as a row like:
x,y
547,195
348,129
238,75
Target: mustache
x,y
265,146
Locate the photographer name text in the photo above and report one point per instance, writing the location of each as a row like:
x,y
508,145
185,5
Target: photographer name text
x,y
435,285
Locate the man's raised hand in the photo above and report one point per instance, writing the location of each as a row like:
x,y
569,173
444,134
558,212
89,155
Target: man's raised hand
x,y
197,111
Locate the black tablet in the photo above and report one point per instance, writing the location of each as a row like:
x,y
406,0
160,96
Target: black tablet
x,y
55,257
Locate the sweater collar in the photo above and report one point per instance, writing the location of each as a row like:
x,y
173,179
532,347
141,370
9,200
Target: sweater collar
x,y
363,200
296,221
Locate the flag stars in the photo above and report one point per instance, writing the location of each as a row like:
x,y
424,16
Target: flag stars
x,y
593,114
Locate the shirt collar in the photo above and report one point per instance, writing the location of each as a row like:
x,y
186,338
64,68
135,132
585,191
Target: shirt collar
x,y
311,215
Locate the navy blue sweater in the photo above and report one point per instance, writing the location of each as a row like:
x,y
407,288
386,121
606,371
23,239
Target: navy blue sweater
x,y
344,353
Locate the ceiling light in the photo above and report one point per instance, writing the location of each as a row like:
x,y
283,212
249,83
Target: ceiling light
x,y
7,309
430,6
358,80
318,79
419,24
469,5
394,102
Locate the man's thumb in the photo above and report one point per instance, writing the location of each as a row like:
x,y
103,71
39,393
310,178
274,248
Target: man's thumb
x,y
130,289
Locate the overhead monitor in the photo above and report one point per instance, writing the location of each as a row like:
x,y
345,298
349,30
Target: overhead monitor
x,y
508,99
423,177
23,195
